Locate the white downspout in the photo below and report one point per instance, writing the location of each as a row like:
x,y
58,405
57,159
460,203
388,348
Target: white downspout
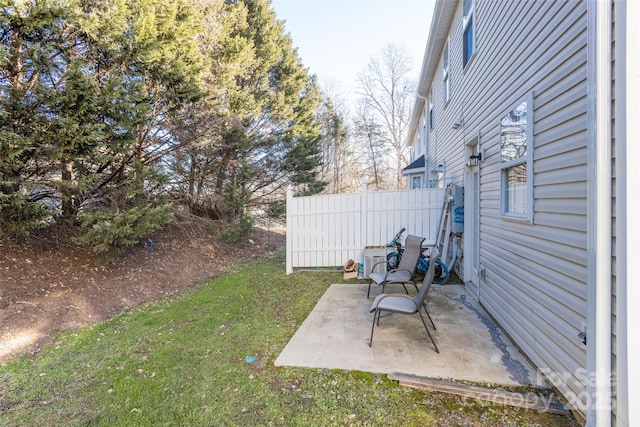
x,y
599,394
627,106
622,382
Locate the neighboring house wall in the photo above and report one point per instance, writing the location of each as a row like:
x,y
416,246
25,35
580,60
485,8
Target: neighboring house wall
x,y
536,267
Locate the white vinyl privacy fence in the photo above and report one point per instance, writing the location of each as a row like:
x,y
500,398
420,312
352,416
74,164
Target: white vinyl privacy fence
x,y
326,231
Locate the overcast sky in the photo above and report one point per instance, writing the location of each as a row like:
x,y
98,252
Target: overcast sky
x,y
336,38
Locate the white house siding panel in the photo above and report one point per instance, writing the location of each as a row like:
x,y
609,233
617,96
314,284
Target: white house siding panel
x,y
536,282
536,272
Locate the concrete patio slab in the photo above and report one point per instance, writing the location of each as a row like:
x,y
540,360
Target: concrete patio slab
x,y
336,333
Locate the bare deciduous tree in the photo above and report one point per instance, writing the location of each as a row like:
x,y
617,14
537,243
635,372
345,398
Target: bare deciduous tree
x,y
343,167
386,95
372,153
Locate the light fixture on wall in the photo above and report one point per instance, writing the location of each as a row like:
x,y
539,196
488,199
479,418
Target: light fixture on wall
x,y
474,160
459,122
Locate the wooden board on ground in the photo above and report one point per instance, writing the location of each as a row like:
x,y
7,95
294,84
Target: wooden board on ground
x,y
546,403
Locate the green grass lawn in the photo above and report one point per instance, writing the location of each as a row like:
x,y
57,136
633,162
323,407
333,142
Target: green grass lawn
x,y
187,361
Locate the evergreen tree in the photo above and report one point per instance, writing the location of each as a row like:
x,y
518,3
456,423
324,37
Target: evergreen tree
x,y
34,44
261,130
86,88
106,106
335,151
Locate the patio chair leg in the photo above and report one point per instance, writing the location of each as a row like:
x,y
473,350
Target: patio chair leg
x,y
428,315
415,286
429,333
369,289
376,314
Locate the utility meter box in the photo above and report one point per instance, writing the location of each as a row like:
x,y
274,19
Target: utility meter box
x,y
457,223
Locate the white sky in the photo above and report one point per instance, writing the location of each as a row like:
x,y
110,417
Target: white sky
x,y
336,38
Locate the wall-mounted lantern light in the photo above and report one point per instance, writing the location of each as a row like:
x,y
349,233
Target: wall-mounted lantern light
x,y
474,160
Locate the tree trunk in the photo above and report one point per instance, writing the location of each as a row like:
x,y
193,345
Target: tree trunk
x,y
68,199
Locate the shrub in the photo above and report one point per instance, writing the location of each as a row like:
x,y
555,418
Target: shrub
x,y
238,231
18,215
110,232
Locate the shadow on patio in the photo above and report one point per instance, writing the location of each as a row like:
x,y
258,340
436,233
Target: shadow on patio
x,y
336,333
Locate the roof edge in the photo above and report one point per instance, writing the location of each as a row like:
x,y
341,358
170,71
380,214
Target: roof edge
x,y
443,14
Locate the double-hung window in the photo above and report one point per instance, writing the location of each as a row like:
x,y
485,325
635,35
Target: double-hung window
x,y
516,153
467,32
416,182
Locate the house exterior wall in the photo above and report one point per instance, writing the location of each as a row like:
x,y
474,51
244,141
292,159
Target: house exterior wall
x,y
536,270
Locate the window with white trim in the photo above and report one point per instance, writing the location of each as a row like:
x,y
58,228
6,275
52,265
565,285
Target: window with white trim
x,y
467,31
416,182
445,75
516,147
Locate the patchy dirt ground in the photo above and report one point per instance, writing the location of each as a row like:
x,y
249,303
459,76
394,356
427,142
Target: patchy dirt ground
x,y
48,284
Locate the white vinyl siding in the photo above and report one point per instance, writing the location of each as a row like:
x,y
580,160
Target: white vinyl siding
x,y
536,272
539,293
